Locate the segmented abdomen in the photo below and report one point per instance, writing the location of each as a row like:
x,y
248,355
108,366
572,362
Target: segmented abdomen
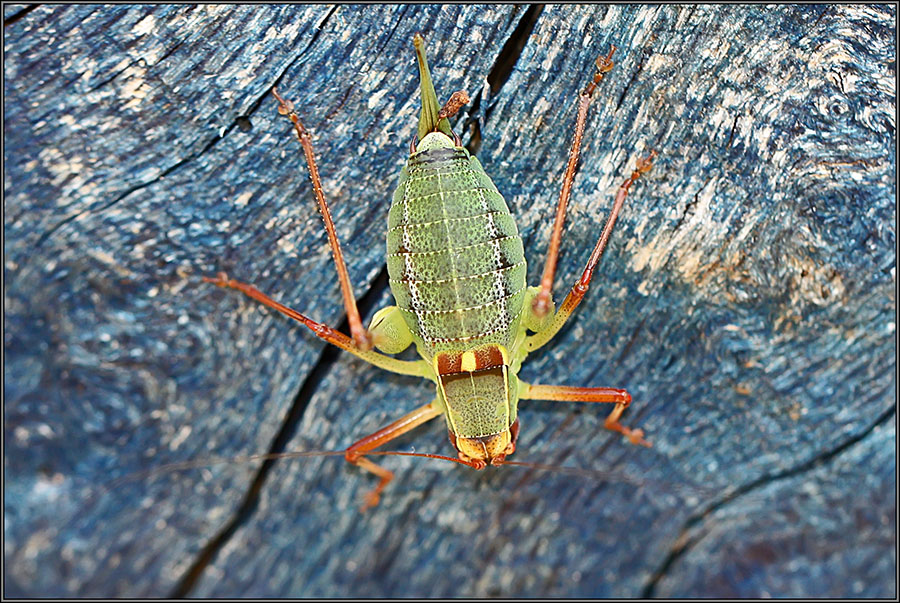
x,y
455,258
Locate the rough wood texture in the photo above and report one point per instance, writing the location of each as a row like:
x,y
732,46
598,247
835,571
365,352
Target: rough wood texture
x,y
746,301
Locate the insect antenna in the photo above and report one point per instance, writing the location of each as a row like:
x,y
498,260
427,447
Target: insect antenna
x,y
269,456
612,476
424,455
147,474
209,462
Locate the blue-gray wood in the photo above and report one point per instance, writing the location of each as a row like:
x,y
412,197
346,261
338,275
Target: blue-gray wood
x,y
746,301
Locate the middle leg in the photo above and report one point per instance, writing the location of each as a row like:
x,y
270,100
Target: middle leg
x,y
579,289
417,368
541,303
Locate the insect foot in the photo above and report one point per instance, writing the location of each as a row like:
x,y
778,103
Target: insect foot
x,y
644,165
604,63
456,102
635,436
220,280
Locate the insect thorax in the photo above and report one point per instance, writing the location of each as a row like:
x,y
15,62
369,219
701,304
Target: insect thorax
x,y
478,392
455,258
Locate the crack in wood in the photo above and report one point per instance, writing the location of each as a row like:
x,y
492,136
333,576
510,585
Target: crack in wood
x,y
634,76
19,15
238,122
499,73
286,432
685,542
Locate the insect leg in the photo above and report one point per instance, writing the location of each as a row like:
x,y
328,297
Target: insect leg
x,y
576,294
541,303
356,453
565,393
361,336
456,102
417,368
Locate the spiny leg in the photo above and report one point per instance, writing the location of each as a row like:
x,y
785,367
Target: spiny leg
x,y
361,336
417,368
356,453
541,303
564,393
579,289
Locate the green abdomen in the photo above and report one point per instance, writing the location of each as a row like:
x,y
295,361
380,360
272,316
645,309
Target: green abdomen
x,y
455,259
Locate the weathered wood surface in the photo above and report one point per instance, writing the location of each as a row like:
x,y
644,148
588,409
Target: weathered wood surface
x,y
746,301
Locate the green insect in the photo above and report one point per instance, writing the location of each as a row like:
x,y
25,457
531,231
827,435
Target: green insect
x,y
457,272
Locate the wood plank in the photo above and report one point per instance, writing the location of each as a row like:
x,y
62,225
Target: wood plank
x,y
746,301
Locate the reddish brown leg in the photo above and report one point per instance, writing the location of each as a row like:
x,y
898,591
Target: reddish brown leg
x,y
579,289
356,453
564,393
361,336
418,368
456,102
643,166
541,303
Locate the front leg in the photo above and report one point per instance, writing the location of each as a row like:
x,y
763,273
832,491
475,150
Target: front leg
x,y
356,453
566,393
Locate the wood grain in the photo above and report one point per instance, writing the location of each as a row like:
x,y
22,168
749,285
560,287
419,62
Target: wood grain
x,y
746,301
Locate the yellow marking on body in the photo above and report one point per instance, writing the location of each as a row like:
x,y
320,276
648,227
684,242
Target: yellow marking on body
x,y
437,371
469,362
450,422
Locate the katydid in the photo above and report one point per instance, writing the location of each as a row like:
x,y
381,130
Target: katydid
x,y
456,269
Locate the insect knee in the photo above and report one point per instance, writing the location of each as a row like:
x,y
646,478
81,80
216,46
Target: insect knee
x,y
532,321
389,330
